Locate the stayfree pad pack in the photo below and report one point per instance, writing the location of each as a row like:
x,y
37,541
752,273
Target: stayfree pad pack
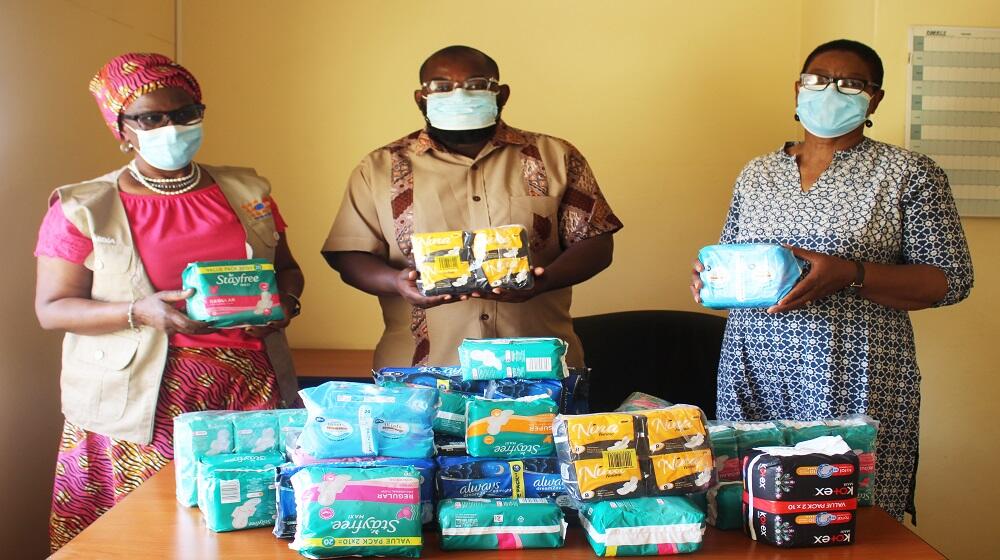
x,y
746,275
357,512
364,420
680,455
238,491
230,294
523,358
643,526
454,392
501,524
510,427
198,435
804,495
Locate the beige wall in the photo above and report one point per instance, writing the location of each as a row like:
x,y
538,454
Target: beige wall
x,y
303,90
50,134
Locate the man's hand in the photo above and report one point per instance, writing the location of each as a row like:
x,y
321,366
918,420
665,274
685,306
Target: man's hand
x,y
827,275
515,296
406,285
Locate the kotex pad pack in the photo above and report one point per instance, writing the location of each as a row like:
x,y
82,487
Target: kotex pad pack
x,y
363,420
442,262
599,455
510,427
654,526
500,258
238,491
357,512
746,275
257,432
230,294
284,526
722,436
454,392
860,432
523,358
501,524
680,454
196,435
804,495
642,401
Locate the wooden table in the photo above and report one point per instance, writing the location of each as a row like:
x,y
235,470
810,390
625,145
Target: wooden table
x,y
333,363
150,523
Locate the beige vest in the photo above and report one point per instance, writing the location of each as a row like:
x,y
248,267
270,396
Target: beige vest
x,y
110,382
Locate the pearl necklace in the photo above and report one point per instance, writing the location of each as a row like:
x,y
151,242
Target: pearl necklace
x,y
175,186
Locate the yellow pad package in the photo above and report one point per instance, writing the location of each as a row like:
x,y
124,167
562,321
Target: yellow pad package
x,y
500,258
679,451
599,455
461,262
442,259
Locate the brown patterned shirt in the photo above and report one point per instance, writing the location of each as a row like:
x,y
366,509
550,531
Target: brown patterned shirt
x,y
415,185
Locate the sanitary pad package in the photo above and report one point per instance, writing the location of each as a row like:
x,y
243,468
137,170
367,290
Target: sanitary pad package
x,y
523,358
643,526
231,294
510,427
454,392
238,491
284,527
290,424
724,449
680,455
357,512
723,505
198,435
460,262
500,258
363,420
446,445
757,434
642,401
501,524
859,431
257,432
746,275
803,495
599,455
442,261
522,477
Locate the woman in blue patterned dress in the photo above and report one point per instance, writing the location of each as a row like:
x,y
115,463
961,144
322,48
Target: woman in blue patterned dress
x,y
879,229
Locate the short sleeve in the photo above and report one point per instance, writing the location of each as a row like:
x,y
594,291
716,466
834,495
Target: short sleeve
x,y
356,227
58,238
932,230
583,210
279,221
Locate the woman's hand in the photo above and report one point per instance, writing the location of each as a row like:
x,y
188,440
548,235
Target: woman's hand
x,y
827,275
157,311
515,296
696,284
406,285
261,331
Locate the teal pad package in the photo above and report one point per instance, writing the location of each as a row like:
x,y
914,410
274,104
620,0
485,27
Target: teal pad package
x,y
506,358
643,526
256,432
510,427
231,294
238,491
501,524
722,436
290,424
724,506
796,432
746,275
357,512
198,435
860,433
757,434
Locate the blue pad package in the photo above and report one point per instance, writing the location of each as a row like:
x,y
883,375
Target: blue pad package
x,y
455,393
475,477
363,420
747,275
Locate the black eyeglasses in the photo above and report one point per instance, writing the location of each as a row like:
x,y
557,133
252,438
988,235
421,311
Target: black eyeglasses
x,y
189,114
847,86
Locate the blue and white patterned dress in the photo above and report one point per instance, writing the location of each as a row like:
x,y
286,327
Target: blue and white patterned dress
x,y
843,354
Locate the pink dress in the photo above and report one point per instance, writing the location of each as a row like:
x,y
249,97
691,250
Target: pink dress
x,y
224,370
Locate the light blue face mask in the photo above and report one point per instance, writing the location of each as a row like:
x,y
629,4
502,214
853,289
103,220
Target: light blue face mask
x,y
169,147
829,113
462,110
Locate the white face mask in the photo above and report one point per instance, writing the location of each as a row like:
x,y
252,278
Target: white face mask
x,y
169,147
462,110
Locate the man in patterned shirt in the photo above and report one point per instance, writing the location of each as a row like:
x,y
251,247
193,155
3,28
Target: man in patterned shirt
x,y
467,169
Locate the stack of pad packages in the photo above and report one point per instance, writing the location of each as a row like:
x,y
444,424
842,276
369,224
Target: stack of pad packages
x,y
630,472
226,463
498,484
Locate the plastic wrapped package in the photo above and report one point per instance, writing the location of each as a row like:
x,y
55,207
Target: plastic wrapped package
x,y
522,358
747,275
796,431
860,432
599,455
357,512
510,427
725,451
257,432
724,506
238,491
803,495
642,401
198,435
756,434
446,445
363,420
454,392
680,455
500,258
501,524
643,526
290,424
442,261
231,294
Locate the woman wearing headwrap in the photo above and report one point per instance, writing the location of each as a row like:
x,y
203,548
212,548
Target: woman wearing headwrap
x,y
110,256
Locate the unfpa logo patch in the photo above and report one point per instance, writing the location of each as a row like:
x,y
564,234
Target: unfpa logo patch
x,y
258,209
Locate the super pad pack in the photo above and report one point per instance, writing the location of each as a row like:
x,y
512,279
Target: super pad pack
x,y
746,275
523,358
230,294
